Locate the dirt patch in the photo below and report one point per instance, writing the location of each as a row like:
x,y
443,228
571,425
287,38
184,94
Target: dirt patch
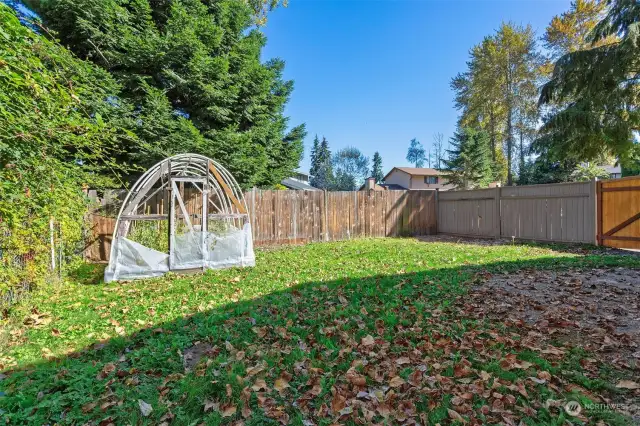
x,y
597,309
192,355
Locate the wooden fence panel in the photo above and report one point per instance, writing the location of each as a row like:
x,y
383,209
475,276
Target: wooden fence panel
x,y
306,216
469,213
562,212
619,212
555,212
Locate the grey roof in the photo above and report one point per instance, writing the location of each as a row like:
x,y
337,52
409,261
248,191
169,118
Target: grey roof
x,y
393,186
297,184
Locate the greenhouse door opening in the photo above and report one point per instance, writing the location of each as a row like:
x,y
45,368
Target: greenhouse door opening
x,y
186,213
187,232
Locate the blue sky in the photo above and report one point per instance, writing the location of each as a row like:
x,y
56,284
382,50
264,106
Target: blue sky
x,y
374,74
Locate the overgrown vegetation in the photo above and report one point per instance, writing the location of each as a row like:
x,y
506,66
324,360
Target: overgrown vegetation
x,y
132,83
61,129
368,331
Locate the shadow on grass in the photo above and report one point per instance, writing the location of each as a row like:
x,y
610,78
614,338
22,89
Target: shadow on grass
x,y
310,334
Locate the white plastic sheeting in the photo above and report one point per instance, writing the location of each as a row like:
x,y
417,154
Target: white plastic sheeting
x,y
233,247
133,260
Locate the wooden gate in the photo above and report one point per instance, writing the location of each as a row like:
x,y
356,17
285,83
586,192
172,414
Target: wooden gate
x,y
619,212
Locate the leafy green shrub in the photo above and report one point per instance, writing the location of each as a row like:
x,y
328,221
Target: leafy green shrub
x,y
152,234
61,128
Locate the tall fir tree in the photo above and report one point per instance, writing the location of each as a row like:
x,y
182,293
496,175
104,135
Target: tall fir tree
x,y
592,95
314,156
376,169
469,163
415,153
323,178
193,71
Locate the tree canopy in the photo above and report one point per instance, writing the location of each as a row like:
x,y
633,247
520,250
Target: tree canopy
x,y
376,168
350,168
469,162
192,72
415,153
597,90
497,93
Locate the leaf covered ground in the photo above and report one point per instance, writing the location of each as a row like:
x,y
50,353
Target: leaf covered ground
x,y
384,331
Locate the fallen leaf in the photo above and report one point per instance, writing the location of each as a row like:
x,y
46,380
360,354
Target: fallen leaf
x,y
396,381
368,340
145,408
455,415
228,410
210,405
280,384
259,385
627,384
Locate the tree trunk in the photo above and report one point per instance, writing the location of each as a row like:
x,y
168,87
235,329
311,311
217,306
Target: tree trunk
x,y
521,153
492,124
509,147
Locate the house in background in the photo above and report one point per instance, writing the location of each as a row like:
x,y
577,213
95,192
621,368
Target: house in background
x,y
299,181
416,178
615,172
371,185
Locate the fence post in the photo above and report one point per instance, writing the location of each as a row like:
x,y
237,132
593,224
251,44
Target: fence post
x,y
598,194
436,203
498,214
326,216
53,248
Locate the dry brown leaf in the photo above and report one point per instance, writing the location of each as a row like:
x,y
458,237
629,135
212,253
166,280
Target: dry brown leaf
x,y
210,405
259,385
281,384
396,381
627,384
228,410
454,415
368,340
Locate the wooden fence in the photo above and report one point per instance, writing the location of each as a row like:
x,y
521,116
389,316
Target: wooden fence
x,y
563,212
292,217
619,212
606,212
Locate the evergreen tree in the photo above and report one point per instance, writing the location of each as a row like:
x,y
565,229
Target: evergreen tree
x,y
323,178
415,154
542,171
376,170
314,157
469,163
193,70
596,91
438,149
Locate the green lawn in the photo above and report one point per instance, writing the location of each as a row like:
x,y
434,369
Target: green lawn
x,y
359,332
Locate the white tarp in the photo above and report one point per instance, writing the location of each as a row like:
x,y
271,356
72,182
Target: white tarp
x,y
133,260
233,247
